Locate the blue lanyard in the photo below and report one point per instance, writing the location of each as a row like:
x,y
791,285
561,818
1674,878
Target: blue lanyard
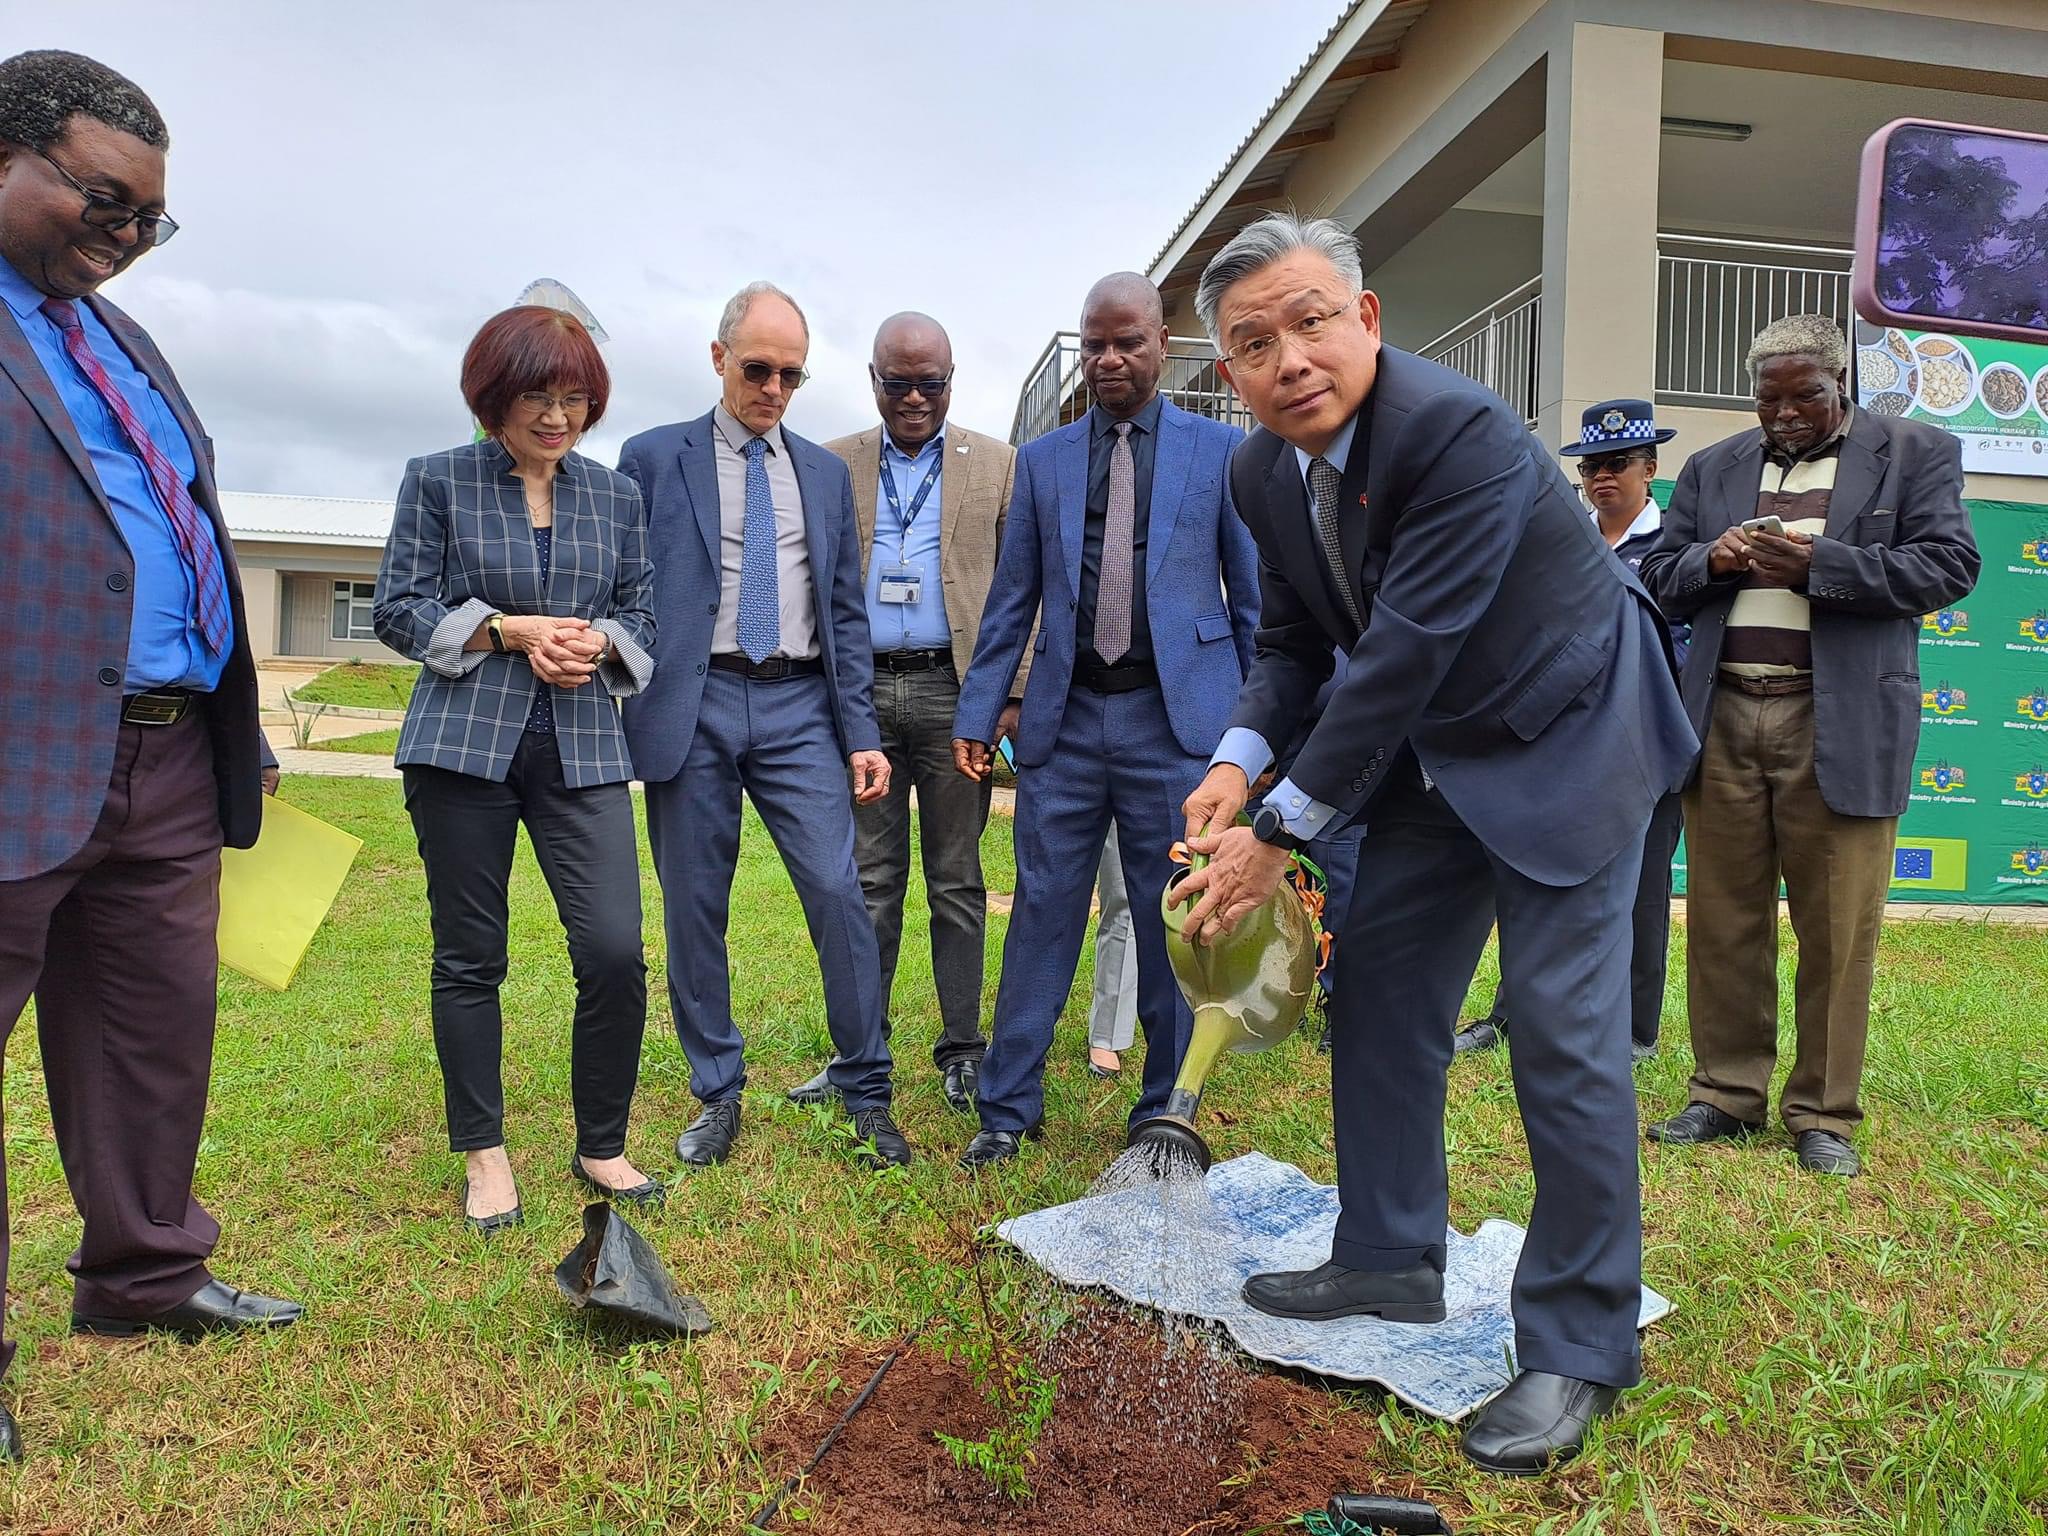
x,y
931,478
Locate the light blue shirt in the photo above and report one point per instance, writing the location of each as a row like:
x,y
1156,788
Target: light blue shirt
x,y
918,626
1303,816
165,646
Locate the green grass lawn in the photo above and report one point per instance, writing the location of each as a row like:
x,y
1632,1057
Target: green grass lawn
x,y
362,685
382,743
1845,1357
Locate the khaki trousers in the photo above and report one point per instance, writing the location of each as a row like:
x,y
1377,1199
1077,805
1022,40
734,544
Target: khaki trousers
x,y
1753,814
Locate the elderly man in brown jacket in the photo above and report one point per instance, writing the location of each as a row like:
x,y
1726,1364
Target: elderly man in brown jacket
x,y
931,500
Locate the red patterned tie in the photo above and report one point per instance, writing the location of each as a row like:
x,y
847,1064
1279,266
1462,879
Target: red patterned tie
x,y
202,555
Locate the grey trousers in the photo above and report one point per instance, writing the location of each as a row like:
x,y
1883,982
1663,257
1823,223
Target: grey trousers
x,y
915,711
1113,1014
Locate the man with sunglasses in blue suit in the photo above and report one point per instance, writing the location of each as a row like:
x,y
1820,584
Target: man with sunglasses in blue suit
x,y
764,686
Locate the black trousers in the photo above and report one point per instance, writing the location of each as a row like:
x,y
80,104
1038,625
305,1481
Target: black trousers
x,y
588,852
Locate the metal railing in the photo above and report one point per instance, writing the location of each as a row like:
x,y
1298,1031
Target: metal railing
x,y
1498,346
1714,295
1055,393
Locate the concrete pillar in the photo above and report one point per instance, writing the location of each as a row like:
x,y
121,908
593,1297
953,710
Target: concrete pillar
x,y
1604,95
261,586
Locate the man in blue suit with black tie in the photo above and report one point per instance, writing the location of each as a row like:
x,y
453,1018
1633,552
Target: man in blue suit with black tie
x,y
765,686
1496,648
1122,542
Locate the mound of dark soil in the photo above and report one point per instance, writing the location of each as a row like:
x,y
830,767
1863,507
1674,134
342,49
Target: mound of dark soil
x,y
1149,1437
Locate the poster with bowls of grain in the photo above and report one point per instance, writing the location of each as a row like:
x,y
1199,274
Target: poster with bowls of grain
x,y
1993,395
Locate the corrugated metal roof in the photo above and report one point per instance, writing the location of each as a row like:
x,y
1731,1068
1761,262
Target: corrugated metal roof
x,y
1382,35
269,518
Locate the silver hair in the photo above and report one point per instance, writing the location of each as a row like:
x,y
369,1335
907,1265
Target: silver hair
x,y
1810,336
1258,245
737,306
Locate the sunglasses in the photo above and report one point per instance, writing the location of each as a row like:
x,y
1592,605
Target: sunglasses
x,y
896,389
761,373
1594,464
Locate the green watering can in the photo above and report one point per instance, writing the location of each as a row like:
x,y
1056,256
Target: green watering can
x,y
1248,991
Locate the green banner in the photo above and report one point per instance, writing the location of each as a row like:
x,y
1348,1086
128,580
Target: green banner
x,y
1976,825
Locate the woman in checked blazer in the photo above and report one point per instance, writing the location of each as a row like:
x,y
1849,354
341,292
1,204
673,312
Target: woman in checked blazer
x,y
517,574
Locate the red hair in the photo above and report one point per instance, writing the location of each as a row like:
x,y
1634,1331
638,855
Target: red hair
x,y
531,347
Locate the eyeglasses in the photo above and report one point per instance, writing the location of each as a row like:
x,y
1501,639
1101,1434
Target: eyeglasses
x,y
1595,464
761,373
113,215
896,389
540,402
1251,356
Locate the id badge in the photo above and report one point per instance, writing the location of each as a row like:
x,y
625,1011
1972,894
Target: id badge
x,y
902,583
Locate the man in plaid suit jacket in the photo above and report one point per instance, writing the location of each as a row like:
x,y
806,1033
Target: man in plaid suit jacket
x,y
129,748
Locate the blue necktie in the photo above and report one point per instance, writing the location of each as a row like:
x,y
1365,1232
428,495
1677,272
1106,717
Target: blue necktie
x,y
760,616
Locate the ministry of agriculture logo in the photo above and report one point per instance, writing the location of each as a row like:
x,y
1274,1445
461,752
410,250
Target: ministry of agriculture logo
x,y
2030,858
2033,784
1947,621
1943,778
2035,552
2032,706
1944,700
2035,629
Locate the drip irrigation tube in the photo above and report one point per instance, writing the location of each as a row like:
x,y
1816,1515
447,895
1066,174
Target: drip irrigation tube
x,y
764,1517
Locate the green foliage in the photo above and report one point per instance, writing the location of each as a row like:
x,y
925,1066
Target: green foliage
x,y
362,685
377,743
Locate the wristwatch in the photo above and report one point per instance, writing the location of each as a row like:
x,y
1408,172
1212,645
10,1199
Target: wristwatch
x,y
1269,826
496,625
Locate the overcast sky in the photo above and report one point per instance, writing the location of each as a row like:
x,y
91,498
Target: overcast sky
x,y
360,185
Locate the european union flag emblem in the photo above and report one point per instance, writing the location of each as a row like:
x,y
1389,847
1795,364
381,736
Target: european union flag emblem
x,y
1913,864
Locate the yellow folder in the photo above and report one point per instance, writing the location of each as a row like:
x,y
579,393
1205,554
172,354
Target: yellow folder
x,y
273,897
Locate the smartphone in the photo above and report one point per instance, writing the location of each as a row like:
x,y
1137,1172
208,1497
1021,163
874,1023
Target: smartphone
x,y
1948,222
1773,525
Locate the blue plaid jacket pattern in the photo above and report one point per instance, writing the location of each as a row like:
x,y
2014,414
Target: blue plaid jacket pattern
x,y
461,549
67,588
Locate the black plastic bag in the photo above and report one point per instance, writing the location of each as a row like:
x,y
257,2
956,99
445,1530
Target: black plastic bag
x,y
615,1271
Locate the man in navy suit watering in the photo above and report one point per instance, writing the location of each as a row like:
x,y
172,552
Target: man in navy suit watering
x,y
1121,541
1496,647
766,684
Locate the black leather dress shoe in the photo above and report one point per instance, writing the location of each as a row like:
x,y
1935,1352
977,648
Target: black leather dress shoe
x,y
1411,1295
710,1136
213,1308
874,1125
1480,1035
647,1194
1700,1122
997,1146
497,1221
962,1079
1640,1051
1539,1419
1825,1152
816,1090
10,1437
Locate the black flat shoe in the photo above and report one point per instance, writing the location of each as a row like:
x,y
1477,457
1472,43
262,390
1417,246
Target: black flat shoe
x,y
497,1221
817,1090
213,1308
1639,1052
1538,1419
648,1193
890,1146
1698,1123
962,1079
991,1147
710,1136
1480,1035
10,1437
1825,1152
1411,1295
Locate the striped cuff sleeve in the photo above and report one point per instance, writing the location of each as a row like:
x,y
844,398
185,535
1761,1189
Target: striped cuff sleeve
x,y
445,653
628,668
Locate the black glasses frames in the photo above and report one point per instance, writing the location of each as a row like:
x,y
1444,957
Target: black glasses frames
x,y
896,389
111,214
1592,464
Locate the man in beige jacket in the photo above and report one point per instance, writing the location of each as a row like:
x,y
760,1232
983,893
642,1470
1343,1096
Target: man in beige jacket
x,y
931,500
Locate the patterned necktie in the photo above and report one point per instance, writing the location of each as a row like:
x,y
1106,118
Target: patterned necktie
x,y
760,615
1119,534
195,543
1323,481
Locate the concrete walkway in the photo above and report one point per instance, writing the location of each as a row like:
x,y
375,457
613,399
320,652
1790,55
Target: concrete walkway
x,y
334,765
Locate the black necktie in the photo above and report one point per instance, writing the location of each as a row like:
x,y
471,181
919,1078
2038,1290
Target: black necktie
x,y
1323,480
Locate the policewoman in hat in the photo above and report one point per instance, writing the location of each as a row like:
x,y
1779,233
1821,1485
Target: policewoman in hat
x,y
1617,460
